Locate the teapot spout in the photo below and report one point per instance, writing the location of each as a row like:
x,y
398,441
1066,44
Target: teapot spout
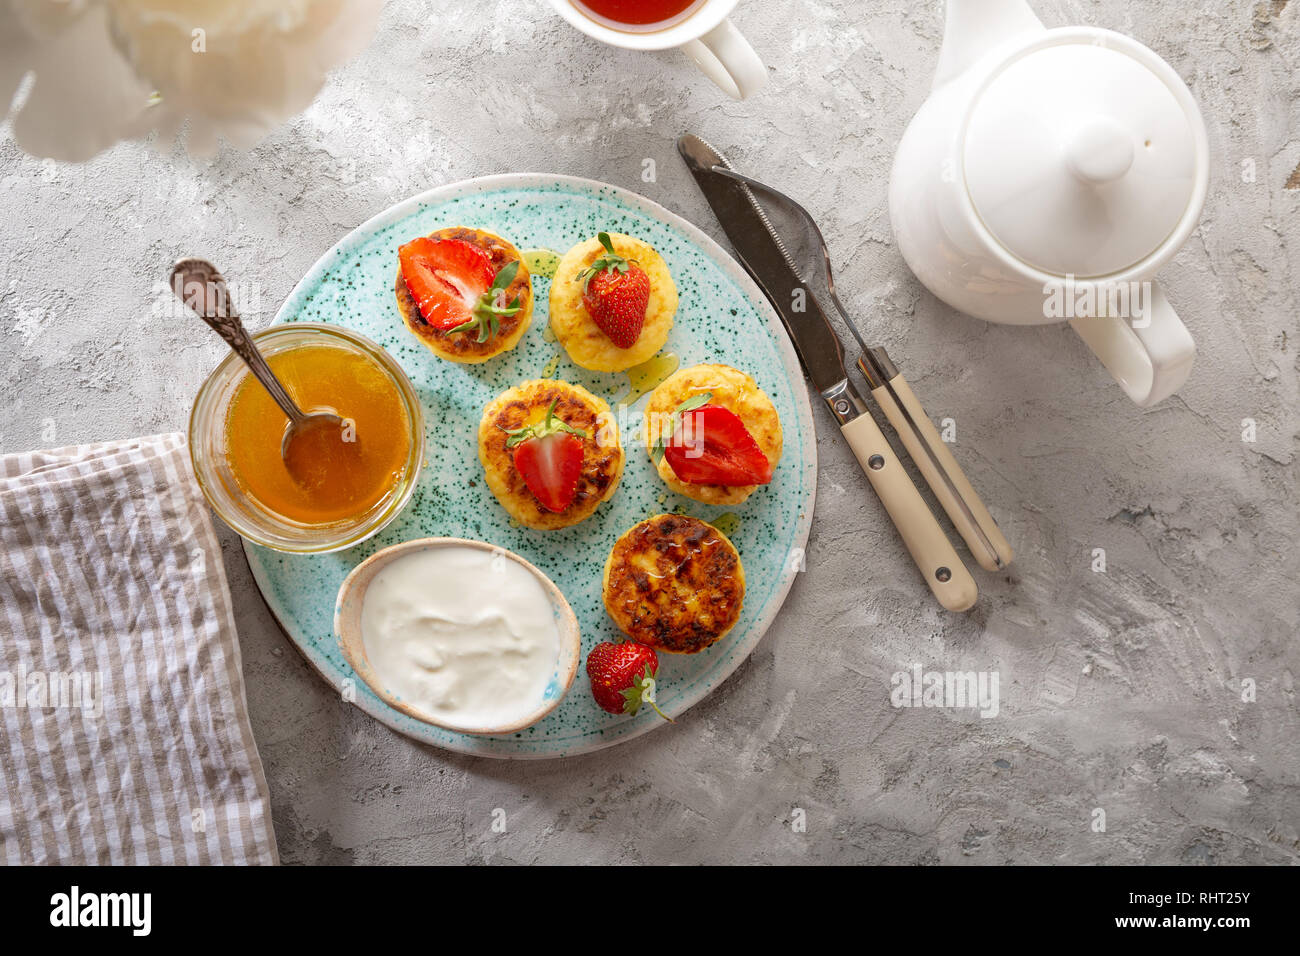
x,y
974,27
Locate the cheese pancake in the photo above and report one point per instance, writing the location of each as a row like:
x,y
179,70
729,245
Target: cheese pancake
x,y
674,583
581,337
732,389
526,404
464,347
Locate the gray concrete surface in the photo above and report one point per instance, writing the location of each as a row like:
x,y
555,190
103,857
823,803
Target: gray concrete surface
x,y
1120,691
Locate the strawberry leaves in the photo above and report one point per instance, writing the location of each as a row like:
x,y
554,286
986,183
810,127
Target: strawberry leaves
x,y
487,312
609,261
668,428
550,425
642,691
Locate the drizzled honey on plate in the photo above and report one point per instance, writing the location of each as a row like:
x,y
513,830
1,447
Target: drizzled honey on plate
x,y
327,474
649,375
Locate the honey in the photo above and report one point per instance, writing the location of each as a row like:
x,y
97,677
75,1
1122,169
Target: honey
x,y
327,474
541,262
649,375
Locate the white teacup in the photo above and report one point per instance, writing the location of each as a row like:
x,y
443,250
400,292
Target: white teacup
x,y
703,32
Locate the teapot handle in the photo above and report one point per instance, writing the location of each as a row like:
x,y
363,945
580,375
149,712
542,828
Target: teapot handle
x,y
1150,356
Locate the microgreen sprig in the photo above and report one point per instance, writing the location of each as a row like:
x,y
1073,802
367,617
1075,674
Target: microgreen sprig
x,y
609,261
550,425
487,311
665,435
642,691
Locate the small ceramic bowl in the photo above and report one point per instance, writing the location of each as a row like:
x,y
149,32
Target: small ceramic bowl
x,y
347,628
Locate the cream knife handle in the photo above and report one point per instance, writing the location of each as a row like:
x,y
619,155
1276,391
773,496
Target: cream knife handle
x,y
930,453
930,548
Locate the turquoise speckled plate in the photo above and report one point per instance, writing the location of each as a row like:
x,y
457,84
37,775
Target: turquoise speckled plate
x,y
722,317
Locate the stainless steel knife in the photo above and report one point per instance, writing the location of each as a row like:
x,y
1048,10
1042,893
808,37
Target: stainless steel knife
x,y
819,348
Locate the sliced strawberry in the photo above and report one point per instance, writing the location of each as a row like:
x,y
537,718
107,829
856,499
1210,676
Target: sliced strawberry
x,y
447,278
616,294
456,287
551,467
712,446
549,458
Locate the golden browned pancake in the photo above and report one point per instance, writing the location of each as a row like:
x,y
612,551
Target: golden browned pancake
x,y
733,390
526,403
461,346
674,583
586,344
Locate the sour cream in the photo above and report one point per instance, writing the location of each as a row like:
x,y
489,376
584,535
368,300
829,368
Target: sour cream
x,y
465,636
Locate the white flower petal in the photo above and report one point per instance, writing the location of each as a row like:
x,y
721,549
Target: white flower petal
x,y
85,97
232,69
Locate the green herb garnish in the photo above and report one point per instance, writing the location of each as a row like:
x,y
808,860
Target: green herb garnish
x,y
488,310
692,403
550,425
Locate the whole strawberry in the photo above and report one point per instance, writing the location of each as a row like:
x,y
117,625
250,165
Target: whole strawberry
x,y
623,677
616,294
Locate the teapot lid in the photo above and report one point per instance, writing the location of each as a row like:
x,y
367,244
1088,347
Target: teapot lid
x,y
1080,159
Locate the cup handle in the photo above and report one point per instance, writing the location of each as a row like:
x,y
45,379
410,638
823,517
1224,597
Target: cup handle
x,y
1150,357
728,60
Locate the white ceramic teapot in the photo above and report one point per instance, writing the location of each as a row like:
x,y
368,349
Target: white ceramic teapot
x,y
1047,177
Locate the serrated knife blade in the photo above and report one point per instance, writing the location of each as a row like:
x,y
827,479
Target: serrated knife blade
x,y
761,252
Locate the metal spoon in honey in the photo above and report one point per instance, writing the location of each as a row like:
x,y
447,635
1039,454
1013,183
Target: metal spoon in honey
x,y
308,434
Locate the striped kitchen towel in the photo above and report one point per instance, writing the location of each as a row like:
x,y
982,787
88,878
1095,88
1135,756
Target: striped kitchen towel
x,y
124,733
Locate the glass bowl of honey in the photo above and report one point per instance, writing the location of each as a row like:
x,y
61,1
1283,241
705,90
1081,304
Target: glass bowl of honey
x,y
350,486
